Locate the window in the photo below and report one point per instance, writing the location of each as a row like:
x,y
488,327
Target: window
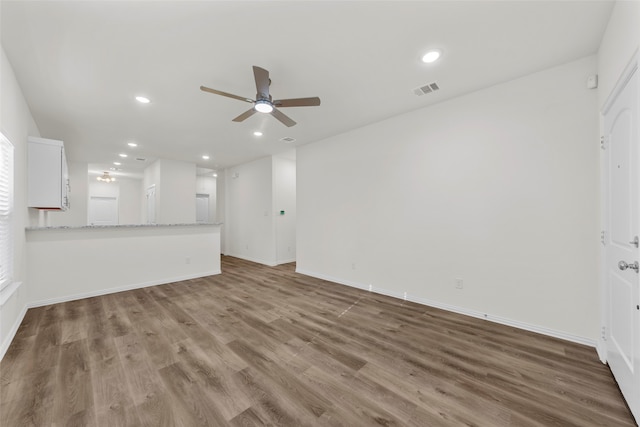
x,y
6,212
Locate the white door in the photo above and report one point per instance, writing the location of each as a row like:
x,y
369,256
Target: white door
x,y
202,208
151,205
103,210
621,153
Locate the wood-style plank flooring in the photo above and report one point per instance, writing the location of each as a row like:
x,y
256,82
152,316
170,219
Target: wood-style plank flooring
x,y
260,346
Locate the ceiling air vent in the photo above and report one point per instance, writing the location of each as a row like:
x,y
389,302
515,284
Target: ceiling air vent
x,y
428,88
287,139
141,159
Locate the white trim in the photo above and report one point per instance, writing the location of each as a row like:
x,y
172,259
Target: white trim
x,y
12,333
286,261
108,291
480,315
601,348
624,78
8,291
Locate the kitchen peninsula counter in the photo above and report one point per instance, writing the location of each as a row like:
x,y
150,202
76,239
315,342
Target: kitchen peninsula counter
x,y
67,263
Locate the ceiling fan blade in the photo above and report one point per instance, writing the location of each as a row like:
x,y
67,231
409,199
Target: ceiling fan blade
x,y
286,120
298,102
262,82
228,95
244,116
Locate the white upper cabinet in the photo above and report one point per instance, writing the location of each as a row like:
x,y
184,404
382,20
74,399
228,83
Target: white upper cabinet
x,y
48,175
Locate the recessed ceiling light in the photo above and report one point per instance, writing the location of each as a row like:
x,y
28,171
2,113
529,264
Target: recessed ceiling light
x,y
122,155
205,157
117,163
132,144
215,175
143,99
257,133
431,56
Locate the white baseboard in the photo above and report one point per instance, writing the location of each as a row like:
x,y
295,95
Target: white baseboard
x,y
256,260
12,333
8,292
96,293
460,310
601,348
286,261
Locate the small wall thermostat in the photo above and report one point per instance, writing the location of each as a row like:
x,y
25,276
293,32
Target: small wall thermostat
x,y
592,81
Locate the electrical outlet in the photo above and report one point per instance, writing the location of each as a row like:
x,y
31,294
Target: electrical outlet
x,y
187,260
353,265
459,284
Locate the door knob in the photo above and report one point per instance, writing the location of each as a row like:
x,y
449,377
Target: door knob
x,y
634,265
635,242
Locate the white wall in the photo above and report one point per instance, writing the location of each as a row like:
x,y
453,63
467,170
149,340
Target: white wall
x,y
130,200
16,123
254,195
207,185
177,188
498,188
284,199
249,212
175,184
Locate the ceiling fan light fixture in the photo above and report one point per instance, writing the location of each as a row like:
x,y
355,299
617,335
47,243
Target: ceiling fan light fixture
x,y
263,106
105,177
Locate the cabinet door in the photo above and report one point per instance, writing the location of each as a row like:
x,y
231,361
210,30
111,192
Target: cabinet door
x,y
45,176
48,175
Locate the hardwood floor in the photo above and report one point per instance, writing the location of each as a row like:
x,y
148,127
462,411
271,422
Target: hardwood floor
x,y
259,346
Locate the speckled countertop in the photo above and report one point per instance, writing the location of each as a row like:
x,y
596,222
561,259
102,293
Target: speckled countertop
x,y
93,227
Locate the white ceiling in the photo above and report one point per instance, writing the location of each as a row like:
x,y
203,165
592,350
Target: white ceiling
x,y
80,64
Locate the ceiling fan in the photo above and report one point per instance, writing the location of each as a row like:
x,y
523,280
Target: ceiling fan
x,y
264,102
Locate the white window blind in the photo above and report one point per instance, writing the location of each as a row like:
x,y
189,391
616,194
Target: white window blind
x,y
6,212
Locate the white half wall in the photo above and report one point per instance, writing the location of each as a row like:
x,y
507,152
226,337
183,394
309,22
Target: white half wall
x,y
498,188
67,264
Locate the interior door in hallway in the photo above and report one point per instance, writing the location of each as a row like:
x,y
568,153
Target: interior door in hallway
x,y
621,236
